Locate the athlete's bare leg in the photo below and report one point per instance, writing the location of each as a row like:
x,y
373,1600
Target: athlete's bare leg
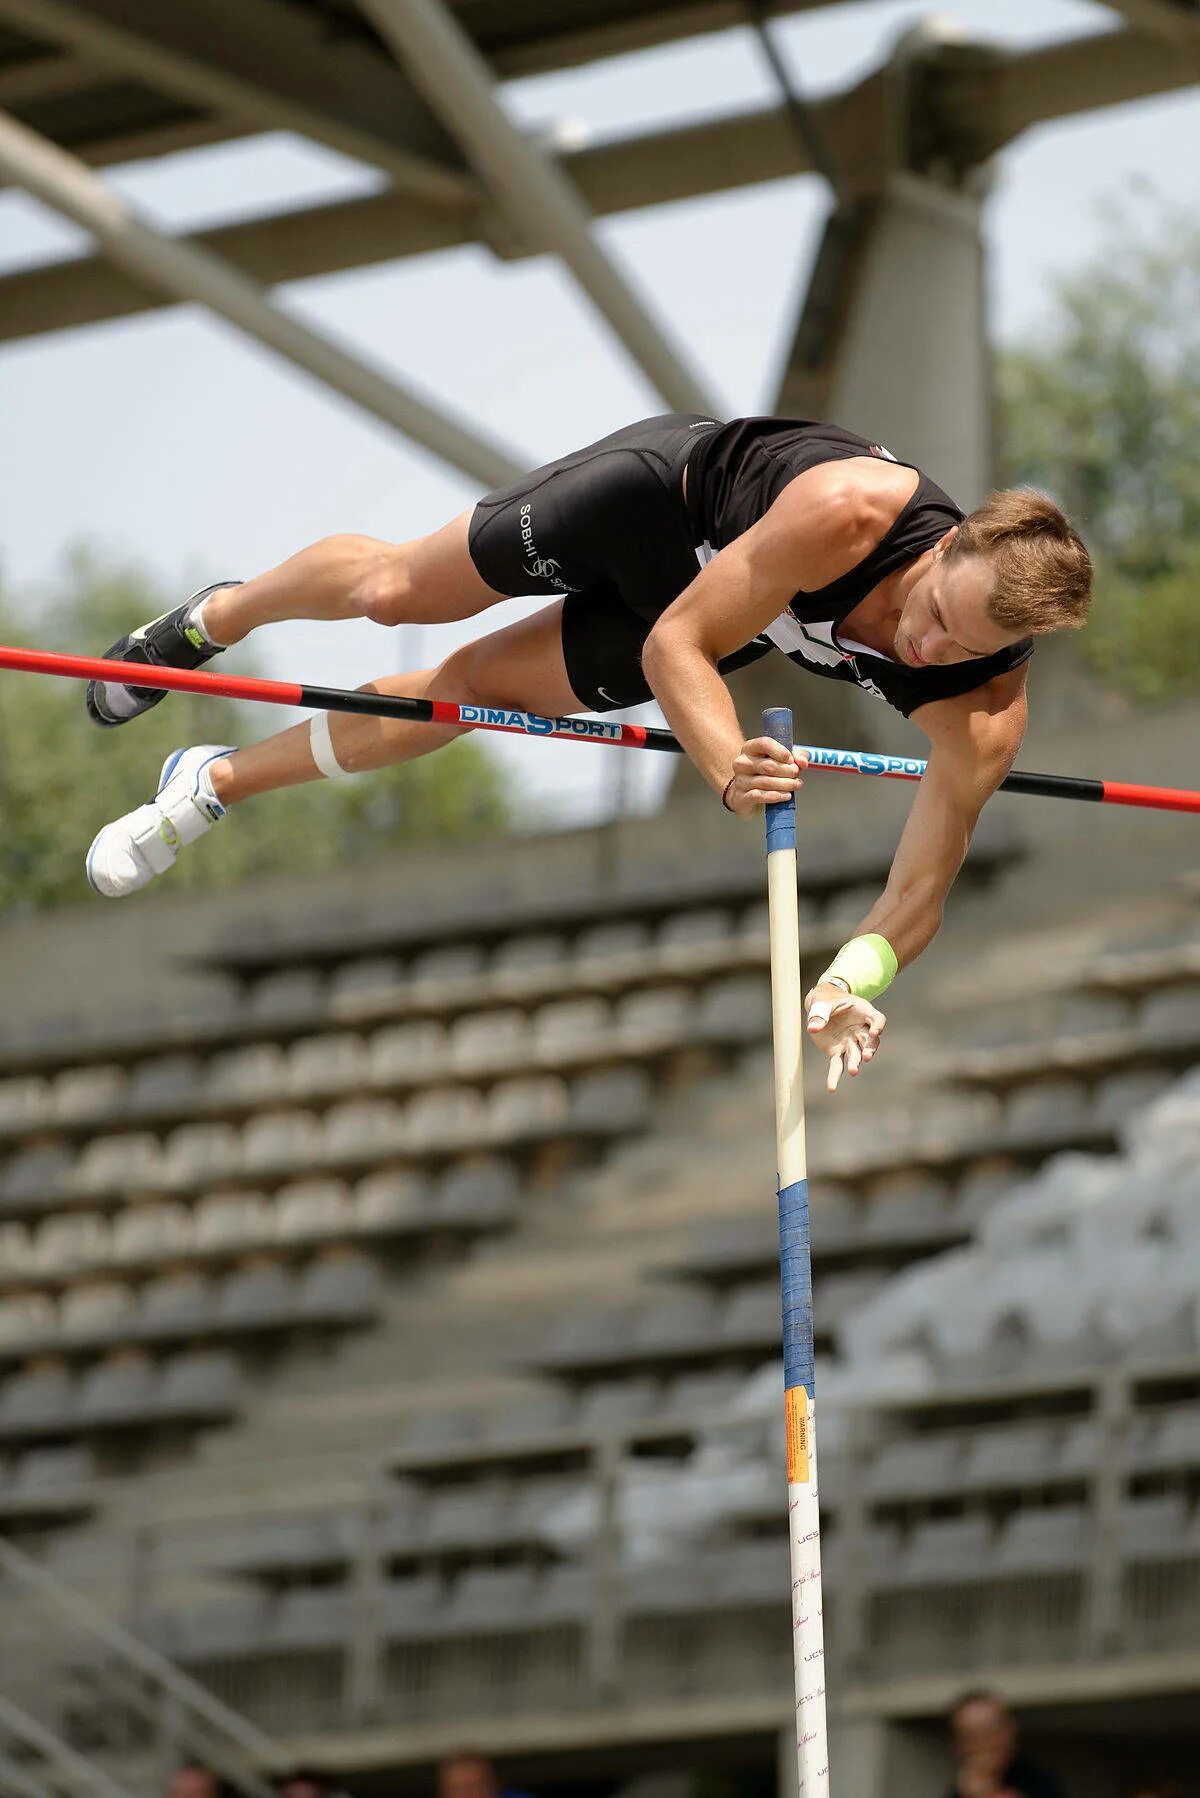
x,y
519,666
431,580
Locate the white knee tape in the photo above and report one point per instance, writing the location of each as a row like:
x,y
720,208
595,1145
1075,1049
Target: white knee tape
x,y
321,744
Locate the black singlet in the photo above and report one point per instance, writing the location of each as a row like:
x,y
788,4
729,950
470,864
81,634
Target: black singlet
x,y
738,470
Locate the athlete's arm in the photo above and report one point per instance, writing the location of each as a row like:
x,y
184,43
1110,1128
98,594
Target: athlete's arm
x,y
973,742
822,525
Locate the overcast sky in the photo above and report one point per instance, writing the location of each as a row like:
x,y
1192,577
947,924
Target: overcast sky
x,y
172,442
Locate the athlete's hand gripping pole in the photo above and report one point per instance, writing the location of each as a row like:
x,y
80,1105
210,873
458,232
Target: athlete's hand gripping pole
x,y
808,1641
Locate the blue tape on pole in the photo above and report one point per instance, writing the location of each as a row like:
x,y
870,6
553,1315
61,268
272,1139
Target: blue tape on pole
x,y
795,1267
781,825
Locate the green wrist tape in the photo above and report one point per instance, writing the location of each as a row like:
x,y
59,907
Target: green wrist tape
x,y
868,963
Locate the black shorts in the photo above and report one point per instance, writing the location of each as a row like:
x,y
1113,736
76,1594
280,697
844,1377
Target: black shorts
x,y
606,530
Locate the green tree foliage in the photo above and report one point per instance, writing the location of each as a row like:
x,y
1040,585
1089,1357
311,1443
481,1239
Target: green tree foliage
x,y
61,778
1103,411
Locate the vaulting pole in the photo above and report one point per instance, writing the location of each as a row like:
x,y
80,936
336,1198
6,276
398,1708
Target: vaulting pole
x,y
795,1259
573,730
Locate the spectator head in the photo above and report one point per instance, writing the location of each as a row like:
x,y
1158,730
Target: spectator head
x,y
983,1730
303,1783
193,1782
467,1776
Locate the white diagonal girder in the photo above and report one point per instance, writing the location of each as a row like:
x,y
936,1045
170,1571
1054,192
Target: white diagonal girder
x,y
530,187
185,272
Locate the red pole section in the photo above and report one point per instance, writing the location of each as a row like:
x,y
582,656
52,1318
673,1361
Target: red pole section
x,y
570,730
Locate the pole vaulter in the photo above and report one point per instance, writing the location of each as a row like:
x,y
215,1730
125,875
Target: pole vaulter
x,y
568,730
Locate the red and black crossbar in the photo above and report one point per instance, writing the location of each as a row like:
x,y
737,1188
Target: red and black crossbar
x,y
573,730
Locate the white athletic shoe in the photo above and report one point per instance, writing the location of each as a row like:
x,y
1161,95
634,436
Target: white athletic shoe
x,y
129,852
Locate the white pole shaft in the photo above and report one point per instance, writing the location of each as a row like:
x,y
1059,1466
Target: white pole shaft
x,y
808,1637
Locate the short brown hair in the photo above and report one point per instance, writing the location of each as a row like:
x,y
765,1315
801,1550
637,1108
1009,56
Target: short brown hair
x,y
1043,573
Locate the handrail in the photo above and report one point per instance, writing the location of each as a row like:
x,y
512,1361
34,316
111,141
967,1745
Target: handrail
x,y
86,1778
85,1616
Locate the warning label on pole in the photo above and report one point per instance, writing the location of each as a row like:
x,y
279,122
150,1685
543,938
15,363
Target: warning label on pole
x,y
796,1410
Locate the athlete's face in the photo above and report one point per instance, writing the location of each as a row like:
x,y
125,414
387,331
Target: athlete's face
x,y
945,617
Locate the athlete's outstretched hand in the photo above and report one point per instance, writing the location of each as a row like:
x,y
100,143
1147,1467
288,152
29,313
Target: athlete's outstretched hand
x,y
847,1029
763,774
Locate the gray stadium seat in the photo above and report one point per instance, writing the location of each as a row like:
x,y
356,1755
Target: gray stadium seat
x,y
95,1310
569,1030
984,1184
676,1320
753,1573
1094,1014
445,1117
701,1394
653,1018
531,1105
612,1101
278,1141
58,1469
370,984
97,1092
604,949
201,1154
119,1390
483,1190
482,1042
228,1221
490,1598
1170,1015
916,1466
520,960
407,1053
201,1383
1045,1109
257,1296
27,1319
734,1010
1154,1529
754,1314
438,975
287,996
412,1607
151,1232
336,1062
584,1337
24,1102
223,1629
610,1404
565,1594
313,1211
475,1516
1121,1095
390,1201
360,1130
433,1431
522,1419
693,939
312,1617
1014,1454
660,1588
949,1551
1177,1441
1044,1539
905,1206
174,1303
70,1241
342,1287
115,1163
538,1503
252,1073
41,1398
837,1296
168,1082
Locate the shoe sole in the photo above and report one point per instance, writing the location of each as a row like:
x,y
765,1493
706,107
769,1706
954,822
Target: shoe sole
x,y
168,768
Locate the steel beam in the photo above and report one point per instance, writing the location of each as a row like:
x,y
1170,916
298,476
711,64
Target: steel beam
x,y
263,66
182,271
531,189
1015,94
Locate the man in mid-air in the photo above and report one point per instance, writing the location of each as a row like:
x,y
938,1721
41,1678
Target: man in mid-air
x,y
670,553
